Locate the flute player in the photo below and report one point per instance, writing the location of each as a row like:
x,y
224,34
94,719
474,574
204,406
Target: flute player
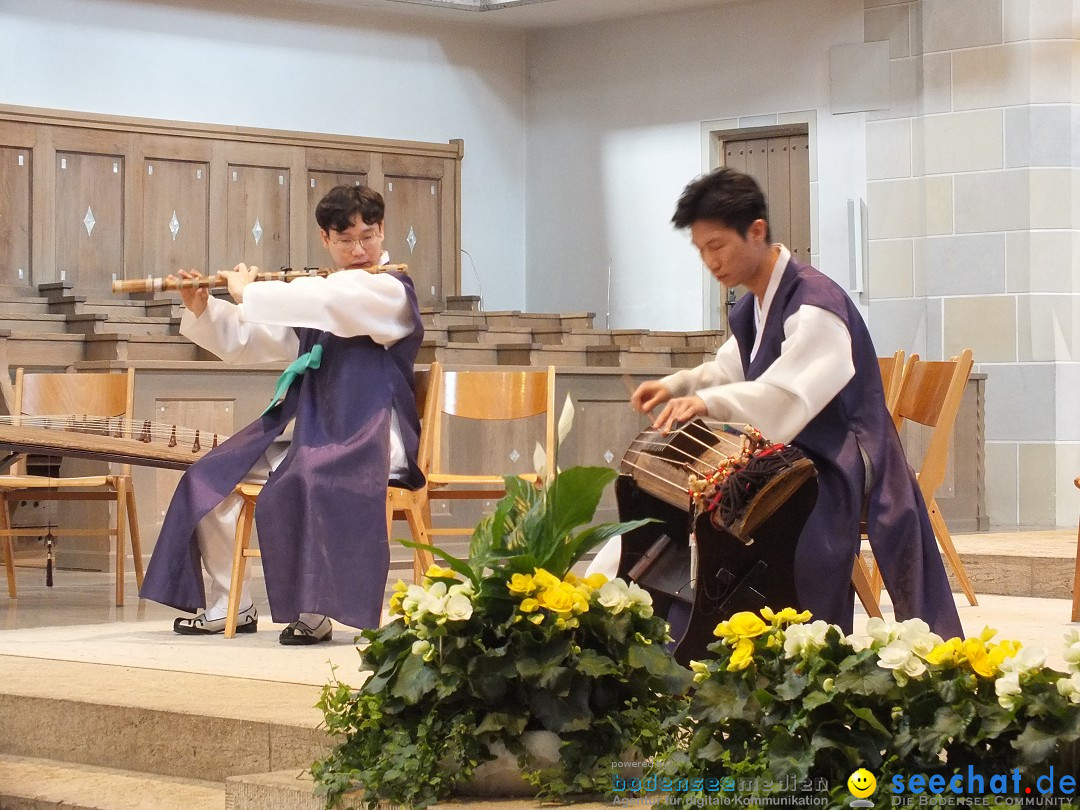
x,y
342,423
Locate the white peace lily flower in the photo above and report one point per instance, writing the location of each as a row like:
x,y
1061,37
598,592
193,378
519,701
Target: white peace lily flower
x,y
1008,690
1070,687
458,607
803,640
614,595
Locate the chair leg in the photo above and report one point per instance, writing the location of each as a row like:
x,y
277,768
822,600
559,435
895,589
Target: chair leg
x,y
860,578
121,528
422,559
236,585
136,539
946,543
9,554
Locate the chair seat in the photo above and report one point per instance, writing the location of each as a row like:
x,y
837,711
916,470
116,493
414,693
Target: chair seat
x,y
446,479
9,482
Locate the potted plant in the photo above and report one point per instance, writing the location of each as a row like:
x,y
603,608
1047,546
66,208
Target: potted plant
x,y
789,707
509,642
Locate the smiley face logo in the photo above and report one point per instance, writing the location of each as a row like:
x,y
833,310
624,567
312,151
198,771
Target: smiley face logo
x,y
862,783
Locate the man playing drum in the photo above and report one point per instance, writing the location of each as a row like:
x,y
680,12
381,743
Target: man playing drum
x,y
800,366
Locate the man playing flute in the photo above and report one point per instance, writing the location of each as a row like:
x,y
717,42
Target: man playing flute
x,y
343,423
800,366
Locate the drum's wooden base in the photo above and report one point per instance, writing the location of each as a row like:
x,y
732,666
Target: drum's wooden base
x,y
734,573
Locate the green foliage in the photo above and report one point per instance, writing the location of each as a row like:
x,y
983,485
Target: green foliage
x,y
786,700
505,642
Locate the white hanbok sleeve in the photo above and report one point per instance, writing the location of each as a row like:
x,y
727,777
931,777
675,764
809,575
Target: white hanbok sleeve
x,y
222,329
813,367
347,303
725,368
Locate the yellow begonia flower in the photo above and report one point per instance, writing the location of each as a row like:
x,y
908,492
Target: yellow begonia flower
x,y
742,655
545,579
438,572
742,625
980,659
537,618
521,583
595,581
560,599
528,605
948,653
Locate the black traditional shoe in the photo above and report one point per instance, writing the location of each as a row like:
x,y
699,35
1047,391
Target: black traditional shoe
x,y
246,622
299,634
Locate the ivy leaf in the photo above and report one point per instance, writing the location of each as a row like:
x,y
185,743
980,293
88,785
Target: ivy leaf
x,y
415,679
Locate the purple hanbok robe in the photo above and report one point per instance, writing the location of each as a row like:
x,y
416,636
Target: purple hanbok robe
x,y
897,522
321,516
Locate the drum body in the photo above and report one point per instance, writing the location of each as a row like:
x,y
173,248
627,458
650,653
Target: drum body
x,y
717,550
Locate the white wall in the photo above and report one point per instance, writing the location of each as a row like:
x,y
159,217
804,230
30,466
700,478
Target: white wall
x,y
614,133
348,73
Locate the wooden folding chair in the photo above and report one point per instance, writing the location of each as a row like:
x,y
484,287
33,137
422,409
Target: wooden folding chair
x,y
930,396
487,404
99,403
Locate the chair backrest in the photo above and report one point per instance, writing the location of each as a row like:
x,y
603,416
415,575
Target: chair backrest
x,y
930,396
493,395
90,394
425,382
892,374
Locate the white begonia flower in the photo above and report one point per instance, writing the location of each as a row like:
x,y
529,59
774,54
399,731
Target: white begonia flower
x,y
1070,687
462,589
1008,690
458,607
1072,649
803,640
1025,660
898,656
614,595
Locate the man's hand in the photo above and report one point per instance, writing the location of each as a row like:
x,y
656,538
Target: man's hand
x,y
194,298
681,410
239,277
648,395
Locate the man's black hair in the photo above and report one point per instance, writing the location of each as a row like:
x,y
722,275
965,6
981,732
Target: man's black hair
x,y
725,196
342,204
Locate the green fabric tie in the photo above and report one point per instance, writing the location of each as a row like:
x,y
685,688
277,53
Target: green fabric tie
x,y
311,359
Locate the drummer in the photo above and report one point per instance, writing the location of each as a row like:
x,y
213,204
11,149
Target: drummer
x,y
800,366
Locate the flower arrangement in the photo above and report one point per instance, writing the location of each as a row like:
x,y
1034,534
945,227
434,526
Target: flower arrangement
x,y
507,642
787,702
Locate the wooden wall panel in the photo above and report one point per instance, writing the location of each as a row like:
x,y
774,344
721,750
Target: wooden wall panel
x,y
133,174
176,217
89,219
413,232
16,185
258,216
320,182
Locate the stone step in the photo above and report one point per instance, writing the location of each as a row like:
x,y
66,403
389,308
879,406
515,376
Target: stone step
x,y
141,347
80,305
40,784
176,724
26,322
98,324
41,349
24,306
